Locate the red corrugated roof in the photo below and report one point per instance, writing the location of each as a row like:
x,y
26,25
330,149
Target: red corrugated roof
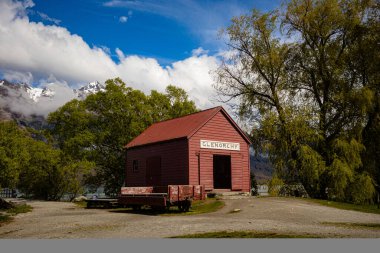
x,y
177,128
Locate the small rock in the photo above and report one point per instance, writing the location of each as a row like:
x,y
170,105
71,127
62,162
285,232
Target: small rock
x,y
79,199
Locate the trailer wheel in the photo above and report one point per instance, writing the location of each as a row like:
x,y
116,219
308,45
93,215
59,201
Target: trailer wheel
x,y
136,207
158,208
186,205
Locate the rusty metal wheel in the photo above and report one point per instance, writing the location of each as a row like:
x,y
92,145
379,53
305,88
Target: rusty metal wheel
x,y
158,208
136,207
186,205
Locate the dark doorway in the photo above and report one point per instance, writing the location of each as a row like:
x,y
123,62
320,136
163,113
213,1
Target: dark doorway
x,y
153,171
222,171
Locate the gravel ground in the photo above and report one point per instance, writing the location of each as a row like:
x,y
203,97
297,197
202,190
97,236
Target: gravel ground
x,y
278,215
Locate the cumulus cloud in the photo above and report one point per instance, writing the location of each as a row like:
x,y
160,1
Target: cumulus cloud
x,y
31,52
27,46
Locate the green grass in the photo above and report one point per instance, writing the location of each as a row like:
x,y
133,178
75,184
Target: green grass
x,y
347,206
5,219
375,226
19,209
246,234
6,215
198,207
81,204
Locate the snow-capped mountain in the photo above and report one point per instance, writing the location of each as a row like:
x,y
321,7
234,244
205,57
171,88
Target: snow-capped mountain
x,y
22,100
90,88
36,93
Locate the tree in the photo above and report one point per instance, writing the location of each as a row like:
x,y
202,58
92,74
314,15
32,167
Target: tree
x,y
275,185
253,183
35,167
13,153
306,97
179,102
50,174
369,64
98,128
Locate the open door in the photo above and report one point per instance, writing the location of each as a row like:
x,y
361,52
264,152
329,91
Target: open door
x,y
222,171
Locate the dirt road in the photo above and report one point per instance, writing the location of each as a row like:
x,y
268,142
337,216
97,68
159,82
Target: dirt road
x,y
66,220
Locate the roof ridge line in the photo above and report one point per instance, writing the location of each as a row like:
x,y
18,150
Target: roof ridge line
x,y
185,115
242,133
204,123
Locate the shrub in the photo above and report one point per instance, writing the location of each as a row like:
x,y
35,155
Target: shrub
x,y
275,185
362,190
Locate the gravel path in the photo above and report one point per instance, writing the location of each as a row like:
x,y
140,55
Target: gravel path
x,y
66,220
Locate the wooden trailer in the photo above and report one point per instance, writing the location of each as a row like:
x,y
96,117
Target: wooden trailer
x,y
161,197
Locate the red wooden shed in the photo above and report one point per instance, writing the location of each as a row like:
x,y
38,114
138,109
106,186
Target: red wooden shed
x,y
206,148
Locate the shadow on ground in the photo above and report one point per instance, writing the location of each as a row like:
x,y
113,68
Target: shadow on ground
x,y
147,211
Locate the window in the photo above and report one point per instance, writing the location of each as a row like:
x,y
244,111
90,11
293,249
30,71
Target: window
x,y
135,166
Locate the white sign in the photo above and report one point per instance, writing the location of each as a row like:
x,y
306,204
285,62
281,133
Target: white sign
x,y
220,145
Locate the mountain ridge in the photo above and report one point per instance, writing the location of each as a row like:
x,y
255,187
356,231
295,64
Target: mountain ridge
x,y
21,100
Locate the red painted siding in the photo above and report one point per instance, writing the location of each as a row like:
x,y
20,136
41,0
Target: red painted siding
x,y
219,128
174,162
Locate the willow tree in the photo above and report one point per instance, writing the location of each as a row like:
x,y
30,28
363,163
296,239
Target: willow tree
x,y
295,75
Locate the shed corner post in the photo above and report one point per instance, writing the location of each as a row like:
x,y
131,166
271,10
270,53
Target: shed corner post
x,y
198,154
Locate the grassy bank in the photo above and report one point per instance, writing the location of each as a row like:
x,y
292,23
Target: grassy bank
x,y
7,215
374,226
346,206
246,234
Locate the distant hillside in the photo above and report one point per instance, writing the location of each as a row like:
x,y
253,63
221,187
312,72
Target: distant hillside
x,y
261,167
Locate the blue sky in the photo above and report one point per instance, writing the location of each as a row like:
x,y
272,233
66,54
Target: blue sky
x,y
165,30
148,44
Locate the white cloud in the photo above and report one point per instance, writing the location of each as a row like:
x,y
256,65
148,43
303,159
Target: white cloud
x,y
123,19
16,76
31,51
199,51
120,54
193,74
47,49
47,18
